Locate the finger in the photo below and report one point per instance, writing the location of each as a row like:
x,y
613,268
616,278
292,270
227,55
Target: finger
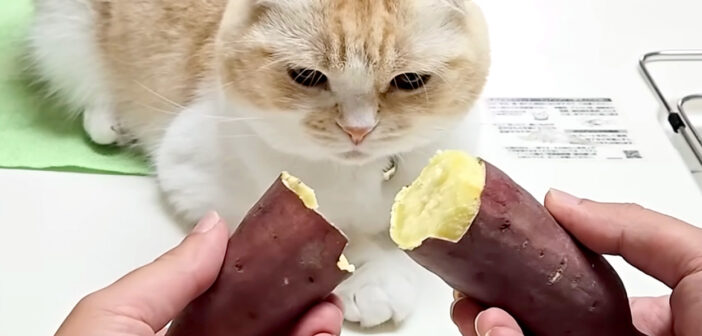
x,y
320,318
663,247
495,320
686,305
503,331
463,313
336,301
652,315
158,291
324,319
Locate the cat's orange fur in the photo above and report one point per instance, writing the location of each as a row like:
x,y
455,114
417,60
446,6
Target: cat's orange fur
x,y
157,52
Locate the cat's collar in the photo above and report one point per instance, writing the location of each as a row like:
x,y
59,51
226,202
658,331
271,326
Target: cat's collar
x,y
390,171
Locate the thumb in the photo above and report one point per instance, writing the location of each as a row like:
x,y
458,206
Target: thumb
x,y
496,322
157,292
664,247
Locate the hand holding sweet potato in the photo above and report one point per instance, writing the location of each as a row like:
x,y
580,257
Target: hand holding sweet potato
x,y
282,259
664,247
469,223
143,301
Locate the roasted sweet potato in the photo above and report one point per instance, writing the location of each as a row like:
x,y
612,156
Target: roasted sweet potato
x,y
469,223
282,259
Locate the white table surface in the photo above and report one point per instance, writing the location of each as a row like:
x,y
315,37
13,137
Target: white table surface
x,y
64,235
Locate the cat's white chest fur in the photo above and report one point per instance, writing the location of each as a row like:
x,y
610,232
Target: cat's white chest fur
x,y
206,163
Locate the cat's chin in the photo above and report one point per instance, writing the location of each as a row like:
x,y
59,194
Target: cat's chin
x,y
360,157
355,157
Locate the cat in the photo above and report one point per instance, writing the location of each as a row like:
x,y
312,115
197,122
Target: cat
x,y
353,97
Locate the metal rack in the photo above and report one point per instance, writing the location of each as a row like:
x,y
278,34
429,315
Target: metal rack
x,y
677,117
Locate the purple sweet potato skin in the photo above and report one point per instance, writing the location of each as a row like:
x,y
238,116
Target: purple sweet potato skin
x,y
517,257
281,260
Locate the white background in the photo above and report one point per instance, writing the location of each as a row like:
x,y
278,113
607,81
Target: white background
x,y
64,235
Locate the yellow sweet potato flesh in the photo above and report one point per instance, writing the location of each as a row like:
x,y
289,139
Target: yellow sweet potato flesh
x,y
305,193
441,203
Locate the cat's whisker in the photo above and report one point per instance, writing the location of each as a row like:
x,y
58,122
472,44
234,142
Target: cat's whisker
x,y
227,84
226,136
467,99
237,46
237,136
437,70
424,87
309,74
271,63
159,95
63,17
400,158
441,76
152,130
216,117
454,7
230,119
156,109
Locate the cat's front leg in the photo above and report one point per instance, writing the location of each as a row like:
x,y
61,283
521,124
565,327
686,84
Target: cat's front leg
x,y
384,286
100,122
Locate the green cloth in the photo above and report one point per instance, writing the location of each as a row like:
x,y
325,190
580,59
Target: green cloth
x,y
34,133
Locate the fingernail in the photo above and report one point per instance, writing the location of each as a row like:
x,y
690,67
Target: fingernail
x,y
207,223
457,297
503,331
455,302
564,197
477,317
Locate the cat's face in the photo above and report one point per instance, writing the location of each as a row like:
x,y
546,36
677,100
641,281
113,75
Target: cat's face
x,y
352,80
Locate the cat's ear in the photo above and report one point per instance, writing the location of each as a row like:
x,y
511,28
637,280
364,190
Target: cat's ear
x,y
242,13
458,5
273,3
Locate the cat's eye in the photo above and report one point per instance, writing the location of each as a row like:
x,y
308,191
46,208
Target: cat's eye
x,y
410,81
308,77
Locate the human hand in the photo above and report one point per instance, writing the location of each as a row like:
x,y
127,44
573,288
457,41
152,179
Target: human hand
x,y
145,300
666,248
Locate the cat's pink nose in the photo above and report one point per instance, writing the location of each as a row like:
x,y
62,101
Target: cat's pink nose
x,y
357,134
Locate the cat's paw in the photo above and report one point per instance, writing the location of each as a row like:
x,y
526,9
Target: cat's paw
x,y
377,293
101,126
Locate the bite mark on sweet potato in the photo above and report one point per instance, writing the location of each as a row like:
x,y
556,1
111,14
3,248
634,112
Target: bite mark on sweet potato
x,y
305,193
309,199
